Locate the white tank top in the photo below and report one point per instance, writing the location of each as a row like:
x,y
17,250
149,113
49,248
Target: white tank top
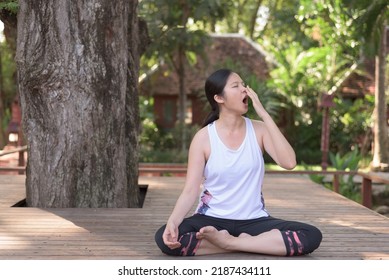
x,y
232,188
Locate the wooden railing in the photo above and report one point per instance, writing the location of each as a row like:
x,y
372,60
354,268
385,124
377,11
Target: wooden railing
x,y
21,168
162,169
165,169
366,188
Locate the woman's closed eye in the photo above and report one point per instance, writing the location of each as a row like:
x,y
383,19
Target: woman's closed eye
x,y
237,85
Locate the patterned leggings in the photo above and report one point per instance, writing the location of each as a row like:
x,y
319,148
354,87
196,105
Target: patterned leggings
x,y
299,238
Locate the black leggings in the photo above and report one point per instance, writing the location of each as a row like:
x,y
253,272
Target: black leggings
x,y
299,238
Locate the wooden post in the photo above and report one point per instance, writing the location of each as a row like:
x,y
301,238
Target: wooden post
x,y
367,192
326,104
21,162
335,183
325,138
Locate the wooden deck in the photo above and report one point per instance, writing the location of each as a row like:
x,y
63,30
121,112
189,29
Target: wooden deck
x,y
350,231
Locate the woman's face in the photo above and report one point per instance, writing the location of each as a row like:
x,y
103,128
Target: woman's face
x,y
235,94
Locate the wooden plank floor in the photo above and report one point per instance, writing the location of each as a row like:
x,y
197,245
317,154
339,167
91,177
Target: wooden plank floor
x,y
12,190
350,231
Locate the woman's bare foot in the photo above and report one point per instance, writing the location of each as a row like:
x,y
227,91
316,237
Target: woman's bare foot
x,y
221,239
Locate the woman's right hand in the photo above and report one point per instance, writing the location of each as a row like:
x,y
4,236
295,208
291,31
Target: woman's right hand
x,y
170,236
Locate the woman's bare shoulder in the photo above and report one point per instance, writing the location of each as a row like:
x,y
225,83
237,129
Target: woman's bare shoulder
x,y
200,142
259,126
260,130
257,123
201,135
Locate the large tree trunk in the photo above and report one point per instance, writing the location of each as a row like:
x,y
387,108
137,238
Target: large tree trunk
x,y
381,146
72,59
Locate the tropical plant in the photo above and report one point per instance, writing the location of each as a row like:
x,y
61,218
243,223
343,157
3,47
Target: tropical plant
x,y
348,162
351,123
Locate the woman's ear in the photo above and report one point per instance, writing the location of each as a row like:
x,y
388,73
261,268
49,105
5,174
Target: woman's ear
x,y
219,99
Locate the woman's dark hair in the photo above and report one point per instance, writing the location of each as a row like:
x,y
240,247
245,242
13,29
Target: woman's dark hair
x,y
214,85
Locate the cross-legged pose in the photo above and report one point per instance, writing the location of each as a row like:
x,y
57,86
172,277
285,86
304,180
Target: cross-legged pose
x,y
226,160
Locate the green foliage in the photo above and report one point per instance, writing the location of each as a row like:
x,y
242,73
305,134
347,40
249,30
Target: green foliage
x,y
309,70
370,19
319,64
280,27
7,84
157,145
300,78
7,72
331,23
321,46
348,162
177,32
301,74
351,123
9,5
176,26
305,136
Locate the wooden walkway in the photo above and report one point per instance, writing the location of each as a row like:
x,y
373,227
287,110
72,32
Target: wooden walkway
x,y
350,231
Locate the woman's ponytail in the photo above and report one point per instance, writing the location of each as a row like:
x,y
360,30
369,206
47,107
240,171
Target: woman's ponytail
x,y
212,116
214,85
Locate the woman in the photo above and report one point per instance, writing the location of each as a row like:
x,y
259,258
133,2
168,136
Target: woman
x,y
226,158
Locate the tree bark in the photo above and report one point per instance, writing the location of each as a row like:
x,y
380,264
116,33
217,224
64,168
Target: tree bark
x,y
137,42
381,149
72,59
